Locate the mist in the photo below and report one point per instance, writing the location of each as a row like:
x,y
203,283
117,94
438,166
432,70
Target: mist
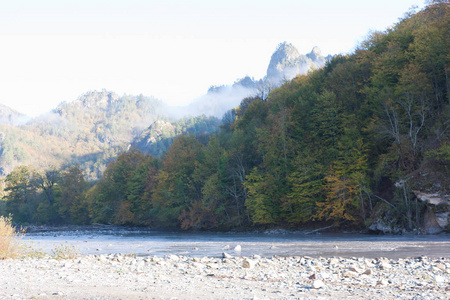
x,y
285,64
214,103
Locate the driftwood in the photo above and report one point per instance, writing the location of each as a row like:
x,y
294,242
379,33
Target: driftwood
x,y
319,229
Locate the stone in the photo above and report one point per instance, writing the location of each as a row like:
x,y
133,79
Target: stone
x,y
367,272
226,255
439,279
368,264
317,284
238,248
248,263
383,282
385,266
349,273
355,269
334,261
173,257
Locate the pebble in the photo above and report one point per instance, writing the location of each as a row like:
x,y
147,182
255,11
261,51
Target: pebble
x,y
317,284
227,277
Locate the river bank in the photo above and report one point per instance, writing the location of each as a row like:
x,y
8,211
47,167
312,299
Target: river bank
x,y
118,276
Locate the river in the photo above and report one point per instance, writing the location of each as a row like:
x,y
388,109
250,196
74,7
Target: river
x,y
159,243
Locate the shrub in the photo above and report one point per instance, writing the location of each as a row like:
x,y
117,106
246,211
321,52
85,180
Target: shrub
x,y
10,246
65,252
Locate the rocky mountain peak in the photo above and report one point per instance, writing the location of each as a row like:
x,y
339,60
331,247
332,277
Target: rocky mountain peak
x,y
315,54
96,99
286,62
285,56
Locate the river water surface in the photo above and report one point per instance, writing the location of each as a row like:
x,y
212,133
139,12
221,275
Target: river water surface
x,y
143,243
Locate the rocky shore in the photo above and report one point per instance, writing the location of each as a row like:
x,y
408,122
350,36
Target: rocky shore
x,y
176,277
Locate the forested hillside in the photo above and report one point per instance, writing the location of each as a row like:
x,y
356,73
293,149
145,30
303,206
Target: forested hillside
x,y
158,137
347,145
89,131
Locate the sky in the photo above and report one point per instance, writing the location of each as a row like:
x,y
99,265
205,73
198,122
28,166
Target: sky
x,y
55,50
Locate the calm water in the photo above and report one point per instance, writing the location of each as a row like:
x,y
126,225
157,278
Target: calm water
x,y
106,241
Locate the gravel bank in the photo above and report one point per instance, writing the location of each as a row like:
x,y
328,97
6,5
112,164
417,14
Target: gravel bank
x,y
177,277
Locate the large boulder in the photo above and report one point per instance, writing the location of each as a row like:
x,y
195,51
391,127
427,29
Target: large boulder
x,y
436,218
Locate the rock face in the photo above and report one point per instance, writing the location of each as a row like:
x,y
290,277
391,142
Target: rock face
x,y
437,214
286,62
94,99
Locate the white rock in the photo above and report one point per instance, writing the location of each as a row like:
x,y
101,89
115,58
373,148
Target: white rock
x,y
238,248
173,257
226,255
439,279
248,263
369,264
383,282
317,284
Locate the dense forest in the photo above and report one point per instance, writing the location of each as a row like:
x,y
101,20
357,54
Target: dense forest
x,y
345,145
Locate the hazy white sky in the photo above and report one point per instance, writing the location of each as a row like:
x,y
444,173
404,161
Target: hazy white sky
x,y
55,50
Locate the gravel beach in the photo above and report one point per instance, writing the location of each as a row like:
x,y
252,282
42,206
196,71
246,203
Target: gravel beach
x,y
177,277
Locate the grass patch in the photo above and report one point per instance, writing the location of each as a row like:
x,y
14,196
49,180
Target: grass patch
x,y
65,252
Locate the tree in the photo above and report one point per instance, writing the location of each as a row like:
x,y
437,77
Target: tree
x,y
73,206
176,188
344,181
20,194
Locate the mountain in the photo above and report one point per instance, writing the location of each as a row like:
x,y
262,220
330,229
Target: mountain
x,y
88,131
286,62
10,116
92,129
